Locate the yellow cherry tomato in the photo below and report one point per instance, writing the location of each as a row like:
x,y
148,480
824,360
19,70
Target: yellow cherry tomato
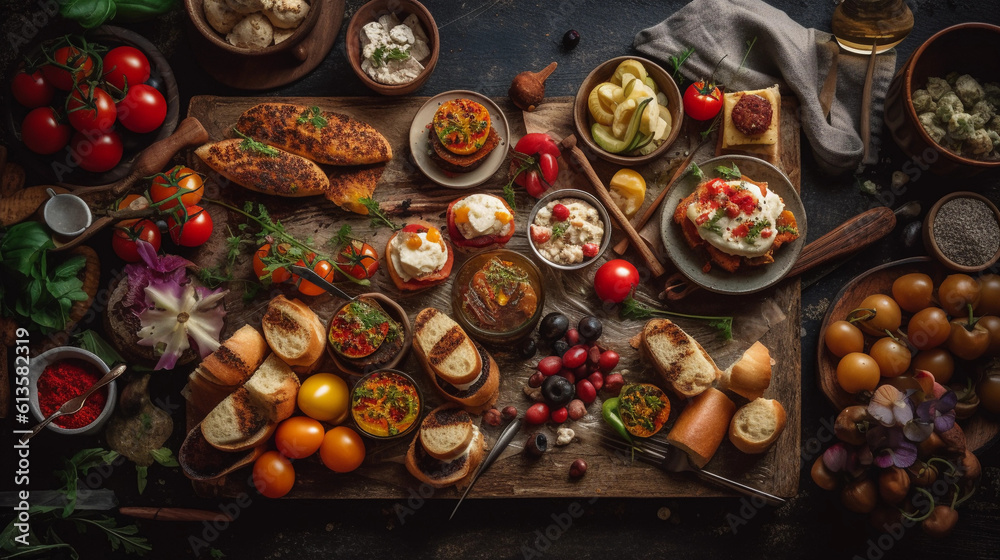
x,y
298,437
628,190
343,450
325,397
858,372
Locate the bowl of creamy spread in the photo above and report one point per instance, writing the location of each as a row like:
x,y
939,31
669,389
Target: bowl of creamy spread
x,y
392,45
733,224
569,229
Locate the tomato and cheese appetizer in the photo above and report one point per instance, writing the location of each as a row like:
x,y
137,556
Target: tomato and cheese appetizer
x,y
417,257
737,222
480,220
462,126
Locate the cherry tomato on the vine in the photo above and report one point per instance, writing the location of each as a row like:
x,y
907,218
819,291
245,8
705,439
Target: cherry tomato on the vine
x,y
702,101
91,110
321,267
43,132
143,109
179,178
81,63
357,259
278,275
32,90
97,151
125,65
193,231
125,238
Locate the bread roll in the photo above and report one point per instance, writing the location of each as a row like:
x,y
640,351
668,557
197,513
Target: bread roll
x,y
293,331
757,425
751,375
678,358
236,359
702,425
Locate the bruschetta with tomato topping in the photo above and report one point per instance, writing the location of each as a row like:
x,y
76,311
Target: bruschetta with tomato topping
x,y
418,257
479,221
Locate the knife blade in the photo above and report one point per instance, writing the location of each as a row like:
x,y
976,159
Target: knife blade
x,y
502,442
315,278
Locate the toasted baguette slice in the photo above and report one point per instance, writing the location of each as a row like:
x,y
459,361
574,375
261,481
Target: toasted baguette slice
x,y
446,432
348,185
238,423
322,136
702,425
441,474
751,375
445,348
237,358
279,173
678,358
757,425
293,331
275,384
454,163
204,394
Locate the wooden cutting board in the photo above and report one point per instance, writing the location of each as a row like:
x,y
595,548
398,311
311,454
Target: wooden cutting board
x,y
771,316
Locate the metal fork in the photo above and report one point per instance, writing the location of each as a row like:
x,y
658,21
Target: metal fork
x,y
671,459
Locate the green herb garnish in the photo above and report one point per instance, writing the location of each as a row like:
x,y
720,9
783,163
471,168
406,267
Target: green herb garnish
x,y
558,229
754,232
696,171
677,62
729,173
712,224
788,229
632,309
312,115
249,144
503,275
378,216
384,54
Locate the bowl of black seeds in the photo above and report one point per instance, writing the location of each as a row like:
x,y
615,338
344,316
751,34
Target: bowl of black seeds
x,y
962,231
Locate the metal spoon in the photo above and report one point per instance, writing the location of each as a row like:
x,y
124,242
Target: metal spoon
x,y
74,405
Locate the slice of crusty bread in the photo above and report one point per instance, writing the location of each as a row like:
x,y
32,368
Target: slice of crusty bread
x,y
204,394
237,358
446,432
275,384
441,474
702,425
678,358
293,331
751,375
238,423
757,425
445,347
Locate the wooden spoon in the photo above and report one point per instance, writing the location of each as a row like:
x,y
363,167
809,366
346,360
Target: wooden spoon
x,y
580,159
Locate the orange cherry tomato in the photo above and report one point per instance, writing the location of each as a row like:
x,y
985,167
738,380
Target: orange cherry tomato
x,y
298,437
857,372
273,474
179,178
343,450
325,270
278,275
128,202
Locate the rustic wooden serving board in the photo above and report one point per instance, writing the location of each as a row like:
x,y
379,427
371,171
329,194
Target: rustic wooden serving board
x,y
771,316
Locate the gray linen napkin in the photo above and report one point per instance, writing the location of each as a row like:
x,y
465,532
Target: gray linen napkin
x,y
786,53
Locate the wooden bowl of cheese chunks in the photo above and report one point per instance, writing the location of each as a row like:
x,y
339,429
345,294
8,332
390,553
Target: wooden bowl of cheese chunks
x,y
392,45
255,27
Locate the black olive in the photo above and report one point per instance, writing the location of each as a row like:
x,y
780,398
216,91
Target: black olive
x,y
571,39
912,235
553,326
559,347
557,391
590,328
528,348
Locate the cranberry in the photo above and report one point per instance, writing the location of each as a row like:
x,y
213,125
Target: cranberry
x,y
537,413
608,360
613,383
572,337
560,415
492,417
509,412
550,365
578,468
575,357
597,380
585,391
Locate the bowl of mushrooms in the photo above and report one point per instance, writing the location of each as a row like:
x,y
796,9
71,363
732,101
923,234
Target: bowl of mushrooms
x,y
255,27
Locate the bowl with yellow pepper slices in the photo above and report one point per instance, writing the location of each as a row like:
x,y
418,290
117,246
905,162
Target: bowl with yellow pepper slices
x,y
628,111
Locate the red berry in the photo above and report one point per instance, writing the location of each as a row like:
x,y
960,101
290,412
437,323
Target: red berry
x,y
590,250
560,213
572,337
559,416
568,375
537,413
575,357
609,360
585,391
597,380
550,365
613,383
536,379
581,371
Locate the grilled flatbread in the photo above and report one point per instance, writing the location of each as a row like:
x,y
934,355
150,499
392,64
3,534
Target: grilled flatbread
x,y
322,136
349,184
275,172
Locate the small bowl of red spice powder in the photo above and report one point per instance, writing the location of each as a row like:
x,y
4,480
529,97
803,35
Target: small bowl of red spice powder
x,y
61,374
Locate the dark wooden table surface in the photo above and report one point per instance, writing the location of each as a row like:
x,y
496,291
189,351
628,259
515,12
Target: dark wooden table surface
x,y
484,44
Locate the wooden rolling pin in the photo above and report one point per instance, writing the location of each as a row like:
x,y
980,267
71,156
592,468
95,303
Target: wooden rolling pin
x,y
174,514
851,236
580,159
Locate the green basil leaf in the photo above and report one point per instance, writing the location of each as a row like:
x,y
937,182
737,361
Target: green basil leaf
x,y
141,10
23,245
88,13
70,267
62,288
92,342
165,457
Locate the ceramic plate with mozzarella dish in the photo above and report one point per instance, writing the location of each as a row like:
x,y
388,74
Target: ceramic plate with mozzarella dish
x,y
738,228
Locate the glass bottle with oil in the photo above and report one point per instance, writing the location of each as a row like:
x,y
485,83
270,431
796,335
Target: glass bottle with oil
x,y
859,24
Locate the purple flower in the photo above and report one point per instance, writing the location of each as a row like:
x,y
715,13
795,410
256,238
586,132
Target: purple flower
x,y
890,447
890,406
940,411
